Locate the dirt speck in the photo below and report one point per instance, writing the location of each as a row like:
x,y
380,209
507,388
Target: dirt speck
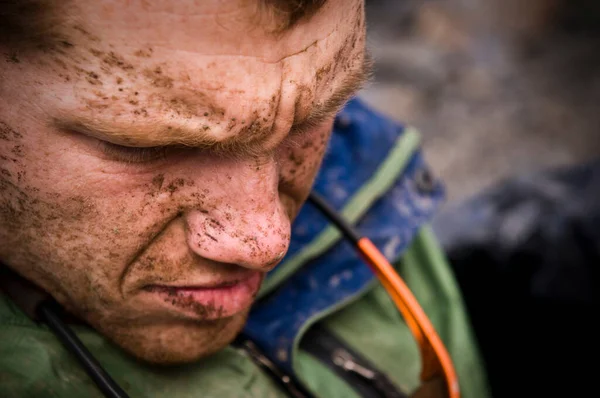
x,y
12,58
158,180
7,133
175,185
114,60
144,52
211,237
93,78
157,78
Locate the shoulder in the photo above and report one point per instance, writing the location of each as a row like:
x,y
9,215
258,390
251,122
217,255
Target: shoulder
x,y
30,366
33,363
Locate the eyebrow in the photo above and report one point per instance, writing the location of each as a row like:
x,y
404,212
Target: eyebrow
x,y
349,87
183,137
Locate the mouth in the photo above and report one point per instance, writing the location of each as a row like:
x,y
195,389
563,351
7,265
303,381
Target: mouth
x,y
210,301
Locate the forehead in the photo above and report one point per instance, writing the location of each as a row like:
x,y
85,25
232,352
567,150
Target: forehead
x,y
148,71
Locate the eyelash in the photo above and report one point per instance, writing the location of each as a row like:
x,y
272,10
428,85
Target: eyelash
x,y
138,155
127,154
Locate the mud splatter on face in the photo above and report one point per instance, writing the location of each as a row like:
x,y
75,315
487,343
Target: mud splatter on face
x,y
157,79
95,231
158,180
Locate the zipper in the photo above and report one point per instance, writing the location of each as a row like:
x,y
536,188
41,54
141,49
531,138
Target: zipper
x,y
355,370
346,361
286,381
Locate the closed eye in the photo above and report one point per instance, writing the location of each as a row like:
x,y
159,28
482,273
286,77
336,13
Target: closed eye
x,y
127,154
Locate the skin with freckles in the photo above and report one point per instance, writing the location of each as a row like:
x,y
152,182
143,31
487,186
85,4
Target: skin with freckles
x,y
166,145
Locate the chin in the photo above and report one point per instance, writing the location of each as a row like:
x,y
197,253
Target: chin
x,y
176,343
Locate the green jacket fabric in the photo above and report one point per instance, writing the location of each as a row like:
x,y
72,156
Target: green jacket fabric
x,y
33,363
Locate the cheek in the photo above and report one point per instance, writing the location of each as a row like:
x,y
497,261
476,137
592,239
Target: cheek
x,y
66,222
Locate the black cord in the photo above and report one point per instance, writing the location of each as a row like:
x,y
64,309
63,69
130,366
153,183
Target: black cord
x,y
345,228
48,312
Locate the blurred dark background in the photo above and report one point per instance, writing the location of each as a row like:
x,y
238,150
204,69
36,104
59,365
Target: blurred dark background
x,y
497,87
507,96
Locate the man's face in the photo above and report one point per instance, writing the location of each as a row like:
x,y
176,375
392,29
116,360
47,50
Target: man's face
x,y
152,162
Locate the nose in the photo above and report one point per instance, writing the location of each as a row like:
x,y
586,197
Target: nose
x,y
242,221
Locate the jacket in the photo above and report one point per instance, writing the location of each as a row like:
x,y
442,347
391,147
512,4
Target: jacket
x,y
320,301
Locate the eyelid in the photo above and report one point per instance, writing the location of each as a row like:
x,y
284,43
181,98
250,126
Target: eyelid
x,y
128,154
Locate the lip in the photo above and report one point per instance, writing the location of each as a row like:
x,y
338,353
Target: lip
x,y
210,301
